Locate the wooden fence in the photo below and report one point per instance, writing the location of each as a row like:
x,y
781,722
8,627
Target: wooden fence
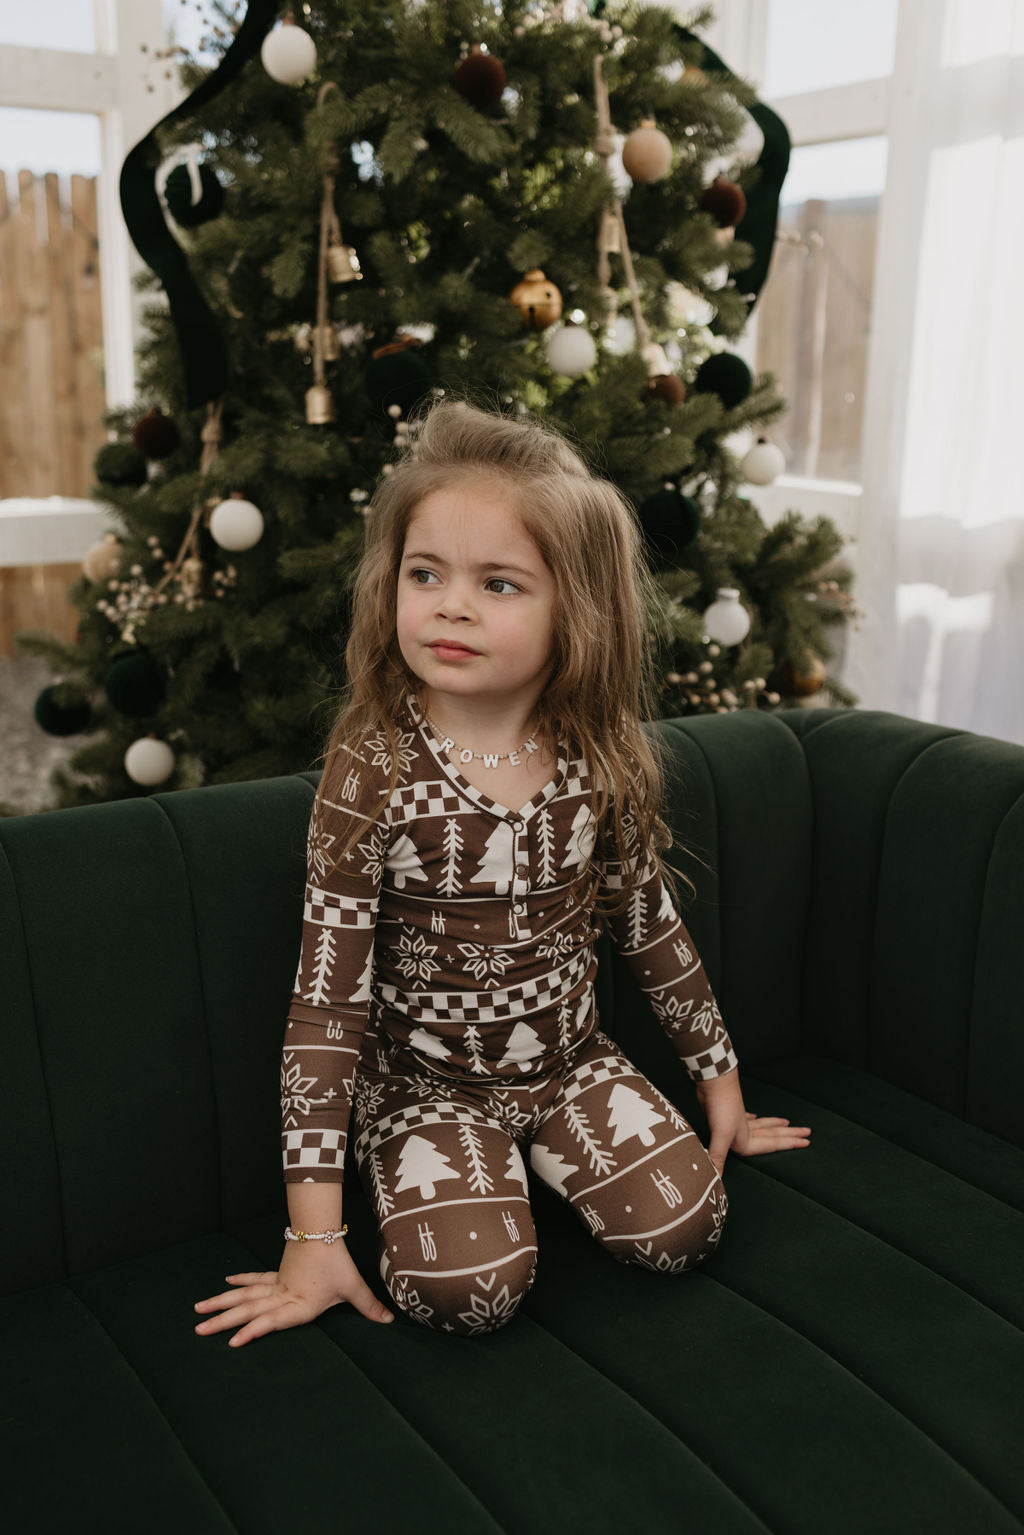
x,y
51,336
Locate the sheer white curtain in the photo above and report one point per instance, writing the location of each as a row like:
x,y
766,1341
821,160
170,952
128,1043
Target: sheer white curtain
x,y
940,555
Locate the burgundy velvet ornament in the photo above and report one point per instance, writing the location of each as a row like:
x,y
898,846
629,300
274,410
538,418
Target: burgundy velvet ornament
x,y
725,201
480,78
155,434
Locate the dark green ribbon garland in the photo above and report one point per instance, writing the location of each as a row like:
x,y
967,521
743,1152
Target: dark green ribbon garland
x,y
759,223
203,353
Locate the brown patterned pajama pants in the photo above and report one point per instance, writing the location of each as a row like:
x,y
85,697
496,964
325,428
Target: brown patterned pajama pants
x,y
442,1165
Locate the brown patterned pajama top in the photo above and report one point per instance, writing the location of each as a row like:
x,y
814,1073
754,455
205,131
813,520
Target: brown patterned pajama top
x,y
445,997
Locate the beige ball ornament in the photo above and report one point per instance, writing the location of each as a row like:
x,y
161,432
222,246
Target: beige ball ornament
x,y
727,620
236,523
647,152
571,350
288,54
102,560
149,761
763,464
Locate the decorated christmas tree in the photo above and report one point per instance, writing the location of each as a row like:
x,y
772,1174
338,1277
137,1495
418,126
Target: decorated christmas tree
x,y
536,207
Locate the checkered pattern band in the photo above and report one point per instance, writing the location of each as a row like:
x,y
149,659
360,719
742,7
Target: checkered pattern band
x,y
313,1148
418,800
546,991
330,910
415,1117
594,1073
707,1064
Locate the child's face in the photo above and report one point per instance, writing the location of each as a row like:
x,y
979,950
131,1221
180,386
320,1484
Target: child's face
x,y
471,575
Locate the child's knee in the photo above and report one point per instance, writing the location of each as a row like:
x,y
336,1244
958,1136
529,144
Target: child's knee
x,y
677,1248
463,1303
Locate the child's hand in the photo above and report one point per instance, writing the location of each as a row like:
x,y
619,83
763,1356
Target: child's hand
x,y
733,1128
312,1277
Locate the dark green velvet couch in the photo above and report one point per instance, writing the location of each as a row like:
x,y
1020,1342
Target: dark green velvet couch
x,y
851,1359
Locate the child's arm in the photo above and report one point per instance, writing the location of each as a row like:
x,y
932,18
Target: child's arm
x,y
653,940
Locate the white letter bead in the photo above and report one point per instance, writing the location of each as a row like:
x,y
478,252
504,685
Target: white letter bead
x,y
465,755
447,744
513,758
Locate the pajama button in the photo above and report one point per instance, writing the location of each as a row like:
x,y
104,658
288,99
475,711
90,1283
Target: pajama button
x,y
519,908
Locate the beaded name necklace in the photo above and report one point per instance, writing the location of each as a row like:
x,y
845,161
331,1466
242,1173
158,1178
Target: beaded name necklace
x,y
489,759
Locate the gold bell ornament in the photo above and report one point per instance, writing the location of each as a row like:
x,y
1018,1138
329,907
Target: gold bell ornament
x,y
319,405
538,300
343,263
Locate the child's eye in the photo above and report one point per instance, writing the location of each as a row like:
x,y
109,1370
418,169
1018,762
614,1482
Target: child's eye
x,y
415,574
502,581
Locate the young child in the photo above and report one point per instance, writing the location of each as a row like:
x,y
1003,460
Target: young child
x,y
489,802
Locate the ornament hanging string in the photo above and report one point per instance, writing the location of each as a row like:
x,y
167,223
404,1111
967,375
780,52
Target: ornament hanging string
x,y
211,435
330,233
612,235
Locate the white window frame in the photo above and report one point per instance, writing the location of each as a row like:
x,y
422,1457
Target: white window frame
x,y
112,83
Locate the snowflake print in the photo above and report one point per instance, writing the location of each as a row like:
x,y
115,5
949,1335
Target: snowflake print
x,y
378,746
556,947
410,1302
318,845
295,1090
373,851
412,956
484,1315
480,960
369,1096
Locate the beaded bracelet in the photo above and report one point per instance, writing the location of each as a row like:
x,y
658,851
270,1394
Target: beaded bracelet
x,y
313,1236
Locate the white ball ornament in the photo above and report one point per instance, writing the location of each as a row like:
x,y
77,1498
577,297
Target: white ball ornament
x,y
236,523
149,761
621,335
764,463
571,350
727,620
288,54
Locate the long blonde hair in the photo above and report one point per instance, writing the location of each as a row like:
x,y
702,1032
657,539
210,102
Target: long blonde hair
x,y
601,683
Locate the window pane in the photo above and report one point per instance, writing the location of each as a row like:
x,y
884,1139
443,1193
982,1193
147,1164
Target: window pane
x,y
66,24
811,45
814,313
64,142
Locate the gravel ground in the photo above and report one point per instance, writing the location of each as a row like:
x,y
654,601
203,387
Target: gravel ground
x,y
27,754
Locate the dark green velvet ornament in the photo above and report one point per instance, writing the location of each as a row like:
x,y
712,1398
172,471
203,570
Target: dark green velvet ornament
x,y
178,192
726,375
397,377
670,523
136,683
120,463
62,710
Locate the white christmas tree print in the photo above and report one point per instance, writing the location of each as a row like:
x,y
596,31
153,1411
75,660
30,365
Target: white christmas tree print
x,y
496,865
515,1168
404,862
581,839
564,1031
484,963
422,1166
429,1044
522,1046
666,909
631,1115
362,991
545,849
637,906
579,1124
384,1202
451,884
412,956
551,1166
471,1035
323,965
480,1180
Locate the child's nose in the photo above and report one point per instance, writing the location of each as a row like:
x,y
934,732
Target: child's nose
x,y
456,601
